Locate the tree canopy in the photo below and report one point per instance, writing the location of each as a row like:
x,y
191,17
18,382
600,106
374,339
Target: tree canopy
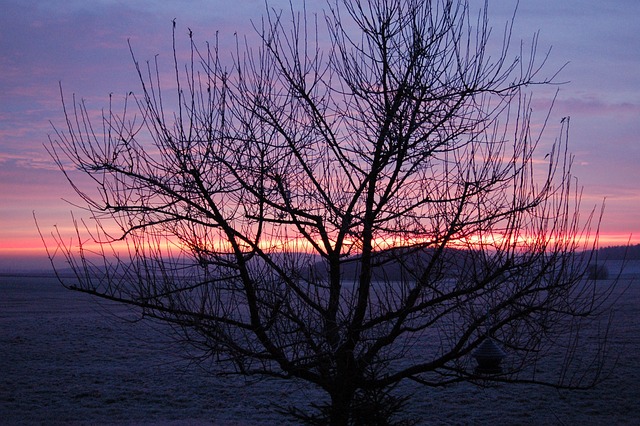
x,y
357,201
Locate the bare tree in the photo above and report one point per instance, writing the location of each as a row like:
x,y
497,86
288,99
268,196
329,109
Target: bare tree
x,y
355,207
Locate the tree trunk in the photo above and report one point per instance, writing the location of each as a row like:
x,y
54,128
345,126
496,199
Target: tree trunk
x,y
341,399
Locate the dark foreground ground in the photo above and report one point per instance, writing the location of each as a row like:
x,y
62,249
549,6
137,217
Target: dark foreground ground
x,y
66,360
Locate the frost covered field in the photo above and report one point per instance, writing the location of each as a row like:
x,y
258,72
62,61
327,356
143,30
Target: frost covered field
x,y
67,360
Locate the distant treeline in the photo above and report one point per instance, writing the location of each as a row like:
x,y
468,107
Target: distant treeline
x,y
620,253
398,264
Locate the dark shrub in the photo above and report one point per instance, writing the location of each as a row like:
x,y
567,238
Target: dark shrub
x,y
598,272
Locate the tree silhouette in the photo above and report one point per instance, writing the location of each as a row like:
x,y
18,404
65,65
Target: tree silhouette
x,y
355,205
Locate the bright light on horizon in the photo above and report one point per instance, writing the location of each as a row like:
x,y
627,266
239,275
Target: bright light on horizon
x,y
31,254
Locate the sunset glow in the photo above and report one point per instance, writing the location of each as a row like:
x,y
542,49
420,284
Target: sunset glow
x,y
83,46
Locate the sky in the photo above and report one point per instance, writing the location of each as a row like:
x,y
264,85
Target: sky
x,y
82,45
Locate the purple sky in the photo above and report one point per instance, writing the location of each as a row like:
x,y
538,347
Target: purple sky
x,y
83,44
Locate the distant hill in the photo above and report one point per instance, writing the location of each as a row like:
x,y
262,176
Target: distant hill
x,y
620,253
397,263
401,263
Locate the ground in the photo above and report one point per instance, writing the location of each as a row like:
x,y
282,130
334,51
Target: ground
x,y
67,360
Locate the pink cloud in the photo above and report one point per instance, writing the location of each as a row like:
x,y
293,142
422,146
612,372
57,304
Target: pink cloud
x,y
593,105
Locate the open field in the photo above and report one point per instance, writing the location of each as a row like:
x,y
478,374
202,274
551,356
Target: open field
x,y
67,360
